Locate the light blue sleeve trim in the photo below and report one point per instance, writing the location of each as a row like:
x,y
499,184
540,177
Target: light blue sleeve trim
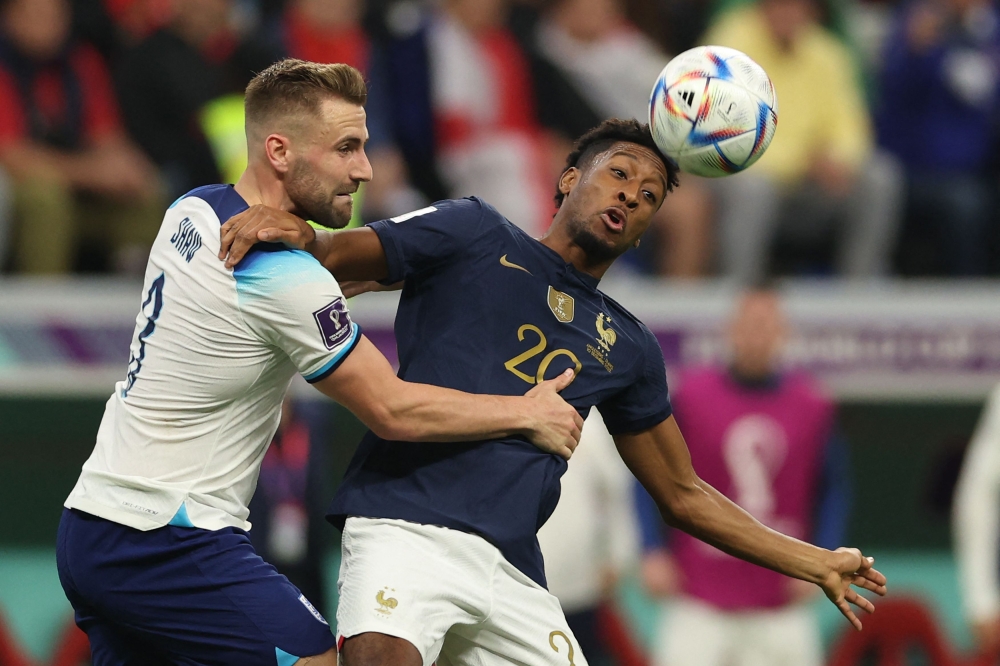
x,y
284,658
181,518
347,346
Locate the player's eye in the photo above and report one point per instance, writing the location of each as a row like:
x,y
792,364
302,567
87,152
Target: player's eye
x,y
619,173
650,196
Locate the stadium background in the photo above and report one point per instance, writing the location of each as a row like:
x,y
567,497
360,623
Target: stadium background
x,y
910,356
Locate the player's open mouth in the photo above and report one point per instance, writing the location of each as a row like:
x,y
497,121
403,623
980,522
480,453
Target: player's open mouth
x,y
614,219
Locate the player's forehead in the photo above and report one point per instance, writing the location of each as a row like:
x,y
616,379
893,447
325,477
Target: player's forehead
x,y
644,159
339,120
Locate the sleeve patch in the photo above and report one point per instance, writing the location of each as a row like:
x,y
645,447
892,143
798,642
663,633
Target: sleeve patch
x,y
334,323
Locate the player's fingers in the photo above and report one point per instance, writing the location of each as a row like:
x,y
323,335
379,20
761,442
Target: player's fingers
x,y
875,576
563,380
859,601
246,238
845,609
869,585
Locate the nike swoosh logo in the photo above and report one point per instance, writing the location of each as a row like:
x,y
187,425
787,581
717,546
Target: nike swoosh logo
x,y
504,262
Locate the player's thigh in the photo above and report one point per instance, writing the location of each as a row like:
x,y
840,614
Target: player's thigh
x,y
196,596
692,634
411,582
788,637
375,649
526,626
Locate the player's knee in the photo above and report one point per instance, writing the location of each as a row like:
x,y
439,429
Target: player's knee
x,y
373,649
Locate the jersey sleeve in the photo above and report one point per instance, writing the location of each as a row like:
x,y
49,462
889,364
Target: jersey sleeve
x,y
290,301
645,402
427,238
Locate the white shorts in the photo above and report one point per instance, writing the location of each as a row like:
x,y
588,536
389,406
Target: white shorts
x,y
451,594
695,634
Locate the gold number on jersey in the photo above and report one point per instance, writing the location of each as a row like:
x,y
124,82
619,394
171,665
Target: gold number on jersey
x,y
535,351
569,644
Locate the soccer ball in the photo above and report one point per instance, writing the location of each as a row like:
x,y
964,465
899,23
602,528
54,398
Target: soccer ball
x,y
713,110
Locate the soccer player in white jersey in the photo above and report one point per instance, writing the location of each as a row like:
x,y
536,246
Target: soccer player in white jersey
x,y
152,548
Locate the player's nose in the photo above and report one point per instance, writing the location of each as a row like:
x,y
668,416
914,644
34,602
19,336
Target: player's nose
x,y
362,169
631,200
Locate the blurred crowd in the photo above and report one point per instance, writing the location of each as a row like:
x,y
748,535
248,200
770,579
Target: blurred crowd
x,y
882,163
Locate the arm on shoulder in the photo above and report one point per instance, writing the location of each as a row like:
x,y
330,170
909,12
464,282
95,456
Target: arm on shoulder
x,y
659,459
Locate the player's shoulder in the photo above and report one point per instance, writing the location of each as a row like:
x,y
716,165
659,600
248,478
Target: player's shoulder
x,y
219,201
627,319
471,209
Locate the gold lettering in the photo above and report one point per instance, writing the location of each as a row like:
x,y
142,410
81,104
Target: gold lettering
x,y
552,355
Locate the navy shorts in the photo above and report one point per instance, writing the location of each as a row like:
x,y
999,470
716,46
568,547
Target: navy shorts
x,y
180,595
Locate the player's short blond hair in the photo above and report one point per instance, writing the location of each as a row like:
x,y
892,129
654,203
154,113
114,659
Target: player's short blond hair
x,y
293,87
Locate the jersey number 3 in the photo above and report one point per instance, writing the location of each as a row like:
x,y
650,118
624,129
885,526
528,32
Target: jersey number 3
x,y
539,348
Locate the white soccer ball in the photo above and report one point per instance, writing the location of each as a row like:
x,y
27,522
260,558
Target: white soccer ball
x,y
713,110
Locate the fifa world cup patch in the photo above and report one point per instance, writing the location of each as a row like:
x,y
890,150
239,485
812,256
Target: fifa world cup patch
x,y
312,609
334,323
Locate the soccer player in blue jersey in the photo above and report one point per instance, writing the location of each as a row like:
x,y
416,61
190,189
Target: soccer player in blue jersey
x,y
440,560
152,549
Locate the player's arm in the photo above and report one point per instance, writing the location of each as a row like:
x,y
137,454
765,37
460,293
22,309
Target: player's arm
x,y
659,459
351,255
397,410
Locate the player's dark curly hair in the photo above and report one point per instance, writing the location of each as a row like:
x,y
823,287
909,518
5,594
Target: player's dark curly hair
x,y
607,134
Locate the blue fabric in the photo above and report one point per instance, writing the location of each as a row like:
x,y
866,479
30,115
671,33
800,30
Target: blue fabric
x,y
181,518
284,658
181,595
652,530
337,359
833,500
469,322
920,117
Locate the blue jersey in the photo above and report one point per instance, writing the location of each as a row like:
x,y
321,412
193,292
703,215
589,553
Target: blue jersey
x,y
488,309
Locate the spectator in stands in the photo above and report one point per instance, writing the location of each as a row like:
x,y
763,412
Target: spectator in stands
x,y
76,176
612,64
764,437
168,81
977,530
488,139
938,112
821,174
331,31
592,537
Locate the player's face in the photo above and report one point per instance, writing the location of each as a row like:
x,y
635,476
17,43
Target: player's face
x,y
614,199
329,164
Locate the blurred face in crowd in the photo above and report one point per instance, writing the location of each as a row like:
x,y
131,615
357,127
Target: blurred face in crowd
x,y
330,13
786,19
610,202
325,162
197,21
757,334
38,28
478,15
588,20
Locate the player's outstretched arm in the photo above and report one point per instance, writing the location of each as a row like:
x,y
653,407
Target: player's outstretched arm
x,y
660,460
355,254
398,410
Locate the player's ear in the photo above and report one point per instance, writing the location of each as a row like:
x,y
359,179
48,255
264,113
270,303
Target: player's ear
x,y
276,146
568,180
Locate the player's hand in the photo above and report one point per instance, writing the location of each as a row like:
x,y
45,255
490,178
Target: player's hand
x,y
262,224
352,288
850,568
556,424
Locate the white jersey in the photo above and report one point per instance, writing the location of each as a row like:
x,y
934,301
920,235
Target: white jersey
x,y
213,353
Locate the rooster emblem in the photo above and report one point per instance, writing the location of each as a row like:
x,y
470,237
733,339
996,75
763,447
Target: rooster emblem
x,y
606,336
385,604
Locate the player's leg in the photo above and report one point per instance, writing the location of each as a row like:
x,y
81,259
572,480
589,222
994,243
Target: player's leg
x,y
526,625
403,586
195,596
692,634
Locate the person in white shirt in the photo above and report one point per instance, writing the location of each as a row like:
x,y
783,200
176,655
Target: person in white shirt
x,y
976,524
152,547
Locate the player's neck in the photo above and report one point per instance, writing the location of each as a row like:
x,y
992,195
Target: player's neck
x,y
257,188
557,240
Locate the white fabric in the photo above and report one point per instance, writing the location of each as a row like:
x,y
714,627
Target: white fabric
x,y
614,73
450,594
594,528
189,425
977,517
695,634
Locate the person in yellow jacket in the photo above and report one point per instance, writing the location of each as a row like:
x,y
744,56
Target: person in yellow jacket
x,y
822,175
